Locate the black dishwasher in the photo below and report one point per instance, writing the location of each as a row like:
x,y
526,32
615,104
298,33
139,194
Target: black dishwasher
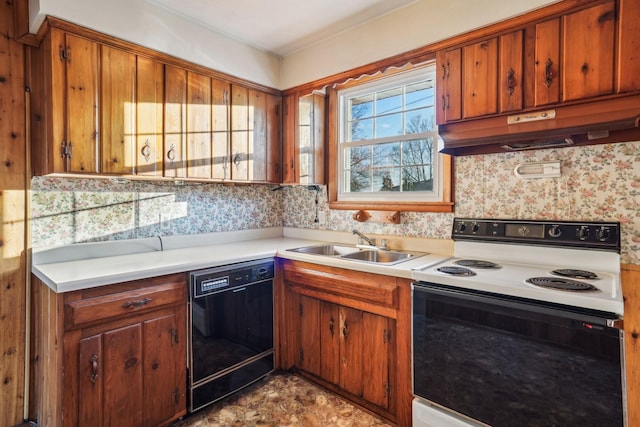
x,y
231,329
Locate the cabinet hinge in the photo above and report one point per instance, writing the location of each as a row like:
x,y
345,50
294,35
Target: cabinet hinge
x,y
176,396
387,390
174,336
65,53
387,336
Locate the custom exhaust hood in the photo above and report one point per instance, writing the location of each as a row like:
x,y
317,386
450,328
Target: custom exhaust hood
x,y
596,122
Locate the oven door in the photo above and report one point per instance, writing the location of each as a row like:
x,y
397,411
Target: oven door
x,y
510,362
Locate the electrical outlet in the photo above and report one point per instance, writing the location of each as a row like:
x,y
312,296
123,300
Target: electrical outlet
x,y
322,217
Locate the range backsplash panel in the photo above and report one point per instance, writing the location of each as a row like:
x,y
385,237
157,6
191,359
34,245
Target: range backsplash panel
x,y
599,182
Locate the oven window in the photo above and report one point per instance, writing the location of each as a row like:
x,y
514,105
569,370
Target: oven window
x,y
508,366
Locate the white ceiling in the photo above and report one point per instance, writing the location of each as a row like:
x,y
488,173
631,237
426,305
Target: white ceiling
x,y
280,26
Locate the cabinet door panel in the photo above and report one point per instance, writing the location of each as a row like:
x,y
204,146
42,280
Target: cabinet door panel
x,y
198,126
239,133
161,380
480,85
220,92
123,390
274,139
149,104
629,46
117,108
174,121
91,382
309,332
588,40
82,104
330,342
375,364
257,154
449,86
352,352
290,147
547,63
511,71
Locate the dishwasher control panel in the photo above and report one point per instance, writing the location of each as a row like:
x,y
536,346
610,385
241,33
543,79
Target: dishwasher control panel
x,y
219,279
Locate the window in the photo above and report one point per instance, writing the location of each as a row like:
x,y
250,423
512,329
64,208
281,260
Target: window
x,y
387,141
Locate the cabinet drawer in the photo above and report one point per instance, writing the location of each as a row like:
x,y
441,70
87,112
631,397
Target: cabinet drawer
x,y
93,310
356,285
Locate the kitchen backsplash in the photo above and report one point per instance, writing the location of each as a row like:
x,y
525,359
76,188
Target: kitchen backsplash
x,y
600,182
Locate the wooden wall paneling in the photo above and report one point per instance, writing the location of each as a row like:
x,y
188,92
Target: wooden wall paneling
x,y
631,291
117,110
174,121
149,116
13,217
199,150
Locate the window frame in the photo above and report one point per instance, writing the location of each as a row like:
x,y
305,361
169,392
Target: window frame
x,y
443,203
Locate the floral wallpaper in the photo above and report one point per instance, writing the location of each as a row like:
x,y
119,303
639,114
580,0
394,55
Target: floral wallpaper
x,y
600,182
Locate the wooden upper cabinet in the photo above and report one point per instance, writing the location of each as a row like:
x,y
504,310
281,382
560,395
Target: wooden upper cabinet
x,y
175,118
149,117
479,86
199,147
511,71
304,143
588,52
628,66
449,85
547,63
118,109
220,94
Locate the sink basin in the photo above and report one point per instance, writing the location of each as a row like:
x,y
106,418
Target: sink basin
x,y
327,250
379,257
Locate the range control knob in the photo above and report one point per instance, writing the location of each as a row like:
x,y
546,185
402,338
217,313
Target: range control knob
x,y
475,227
555,231
461,227
603,233
262,273
583,232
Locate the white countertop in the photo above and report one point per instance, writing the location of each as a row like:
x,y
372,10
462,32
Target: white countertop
x,y
82,266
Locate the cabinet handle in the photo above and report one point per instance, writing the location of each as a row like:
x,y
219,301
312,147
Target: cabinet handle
x,y
94,368
444,103
135,304
331,325
236,160
146,150
511,81
548,74
345,331
171,154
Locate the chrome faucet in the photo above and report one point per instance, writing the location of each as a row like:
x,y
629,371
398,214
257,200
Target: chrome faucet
x,y
371,243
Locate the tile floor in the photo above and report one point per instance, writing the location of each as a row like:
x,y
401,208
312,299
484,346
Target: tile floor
x,y
282,400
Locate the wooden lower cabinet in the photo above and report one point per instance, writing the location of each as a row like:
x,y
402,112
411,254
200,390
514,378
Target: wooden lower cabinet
x,y
344,329
110,356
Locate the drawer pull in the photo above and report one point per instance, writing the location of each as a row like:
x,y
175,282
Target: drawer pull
x,y
94,368
134,304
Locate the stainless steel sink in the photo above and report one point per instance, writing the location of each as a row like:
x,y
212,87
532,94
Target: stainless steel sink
x,y
326,249
354,253
379,257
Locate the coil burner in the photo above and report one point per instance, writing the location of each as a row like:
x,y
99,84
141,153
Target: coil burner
x,y
575,274
456,271
561,284
477,263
